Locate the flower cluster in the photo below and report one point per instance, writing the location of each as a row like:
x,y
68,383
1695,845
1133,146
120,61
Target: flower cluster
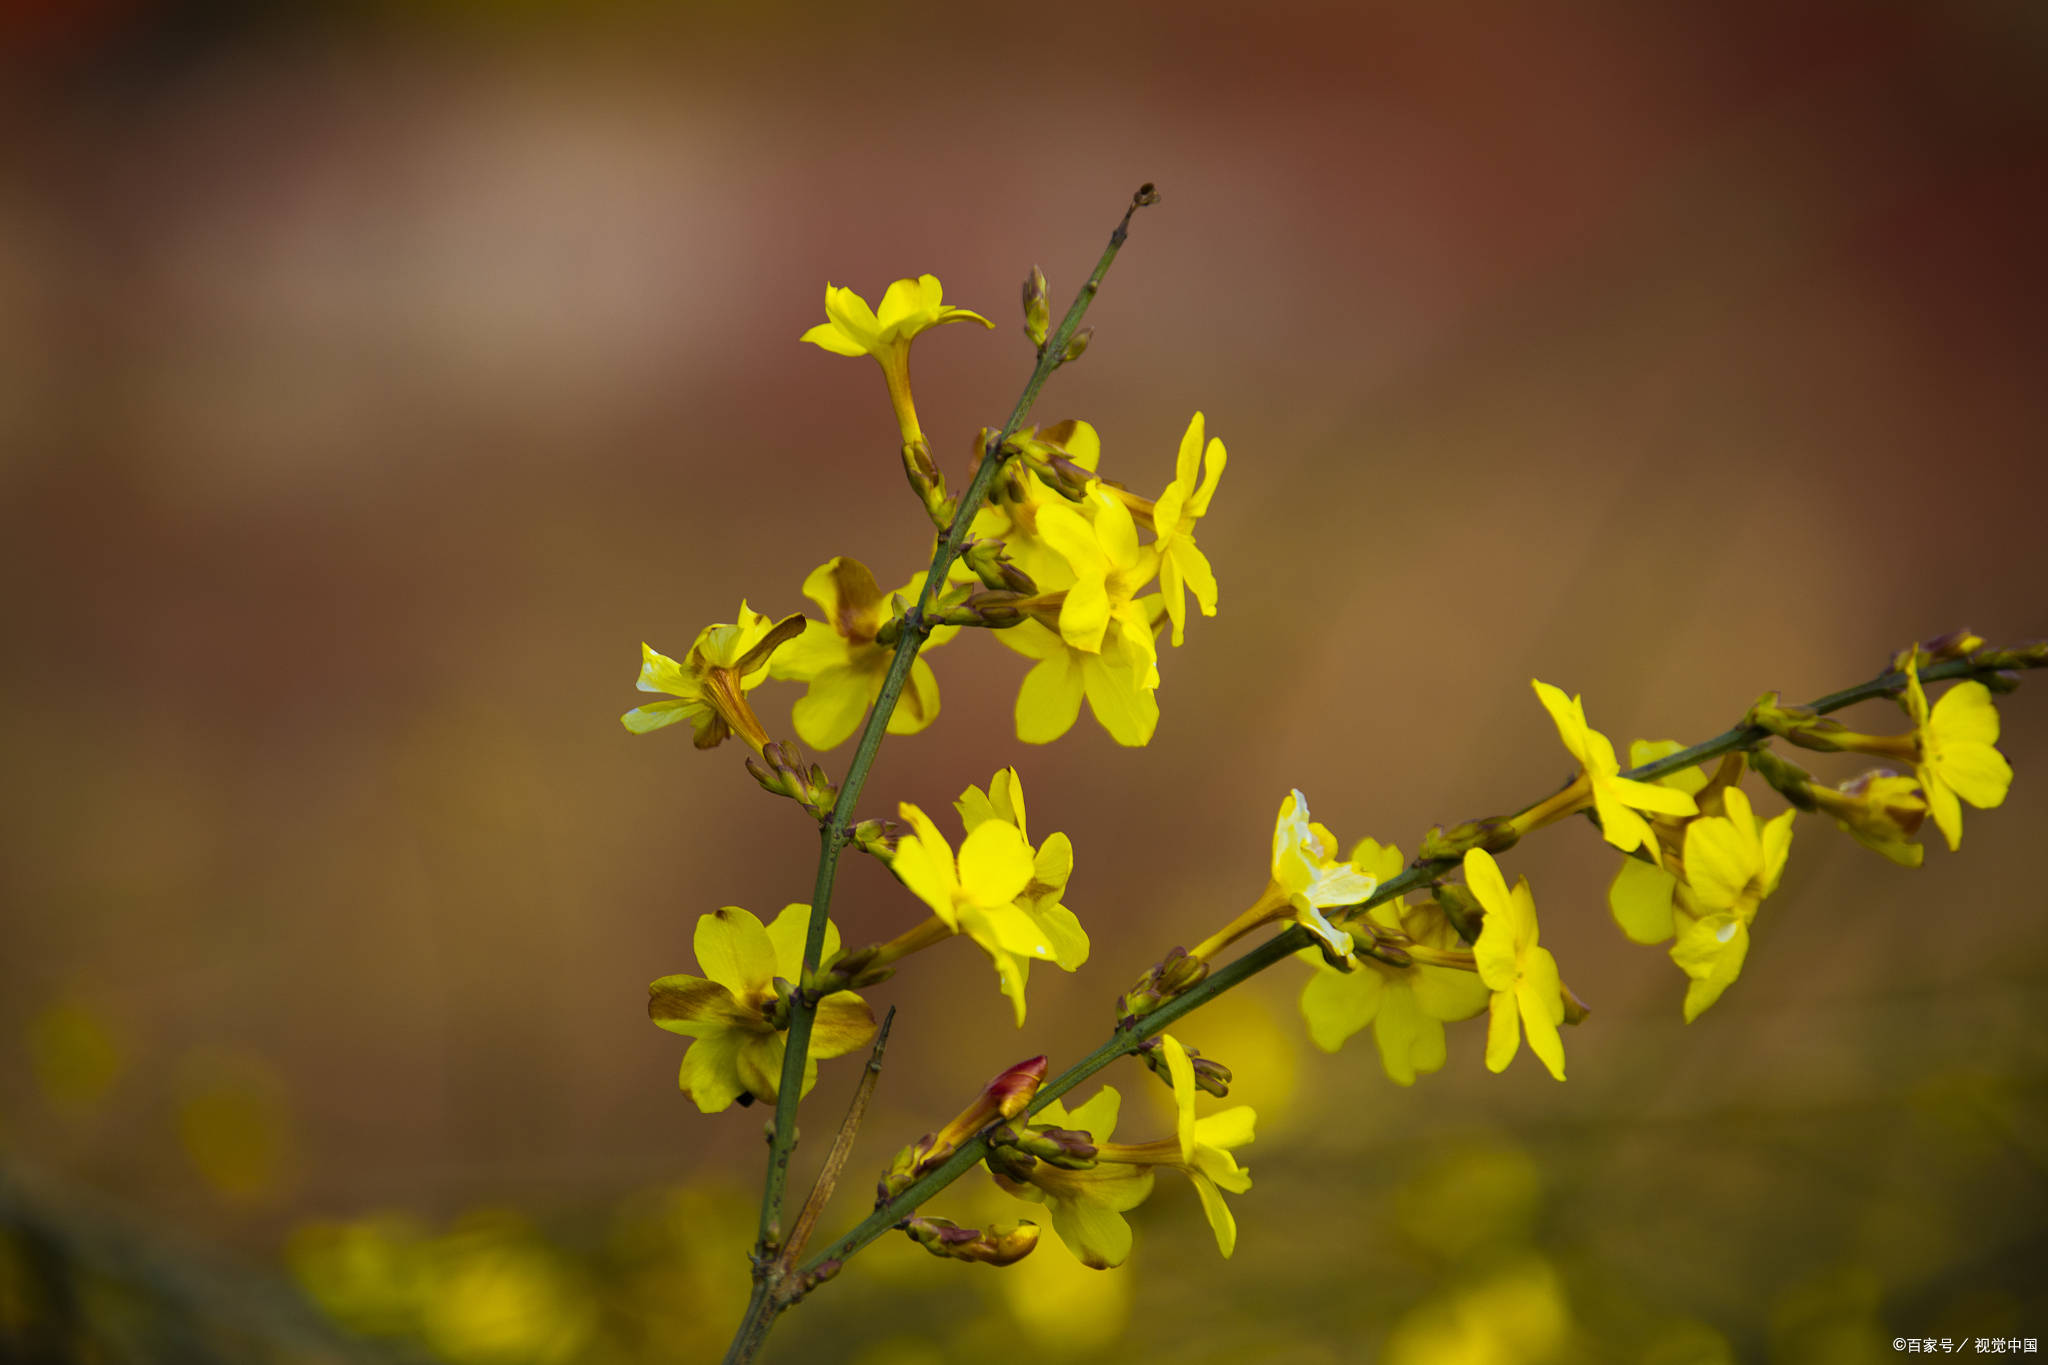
x,y
1080,575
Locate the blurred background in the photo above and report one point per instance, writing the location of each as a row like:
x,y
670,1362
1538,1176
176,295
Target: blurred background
x,y
374,379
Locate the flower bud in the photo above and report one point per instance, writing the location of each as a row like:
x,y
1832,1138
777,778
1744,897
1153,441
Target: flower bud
x,y
1495,834
1003,1245
1461,908
1005,1097
1957,644
1210,1075
1069,1149
1037,313
1172,974
1078,345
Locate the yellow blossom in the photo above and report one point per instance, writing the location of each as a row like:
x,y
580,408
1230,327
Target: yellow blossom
x,y
1617,800
976,894
738,1050
1052,864
1088,1206
1120,684
1958,755
1100,612
1406,1006
908,308
1521,975
844,666
710,684
1731,864
1181,562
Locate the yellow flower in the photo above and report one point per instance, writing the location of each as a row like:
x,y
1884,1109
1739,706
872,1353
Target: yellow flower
x,y
1958,756
1521,975
1640,896
1100,613
1205,1145
738,1051
908,308
1051,866
1615,799
844,666
711,683
977,894
1181,562
1087,1207
1731,865
1306,880
1119,684
1406,1006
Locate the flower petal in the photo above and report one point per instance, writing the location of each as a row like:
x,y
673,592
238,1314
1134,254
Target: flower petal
x,y
995,864
1127,710
786,932
1338,1004
694,1007
734,950
710,1071
1049,700
844,1024
1182,1074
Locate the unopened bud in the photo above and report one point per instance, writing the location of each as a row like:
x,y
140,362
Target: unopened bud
x,y
993,567
1786,778
1005,1244
1575,1009
2033,654
1005,1097
1462,909
1171,975
1069,1149
1210,1075
1796,724
1495,834
1078,345
1037,313
1957,644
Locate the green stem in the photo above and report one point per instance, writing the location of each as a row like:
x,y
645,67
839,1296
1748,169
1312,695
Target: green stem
x,y
1128,1040
769,1277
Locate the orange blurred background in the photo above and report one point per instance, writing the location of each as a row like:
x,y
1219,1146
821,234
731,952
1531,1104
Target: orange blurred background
x,y
373,380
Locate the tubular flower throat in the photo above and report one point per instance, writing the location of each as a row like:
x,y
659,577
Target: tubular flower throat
x,y
729,1010
909,307
710,684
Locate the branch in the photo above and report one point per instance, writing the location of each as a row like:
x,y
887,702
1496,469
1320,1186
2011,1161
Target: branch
x,y
1129,1039
832,834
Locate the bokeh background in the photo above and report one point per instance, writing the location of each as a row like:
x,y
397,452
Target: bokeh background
x,y
374,379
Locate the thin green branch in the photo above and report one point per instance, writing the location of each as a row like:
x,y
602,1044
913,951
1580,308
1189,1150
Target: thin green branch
x,y
832,834
1129,1039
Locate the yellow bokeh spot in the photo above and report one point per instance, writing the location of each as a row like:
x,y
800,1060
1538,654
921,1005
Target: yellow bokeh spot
x,y
1478,1199
235,1123
1063,1306
74,1053
497,1295
1515,1316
